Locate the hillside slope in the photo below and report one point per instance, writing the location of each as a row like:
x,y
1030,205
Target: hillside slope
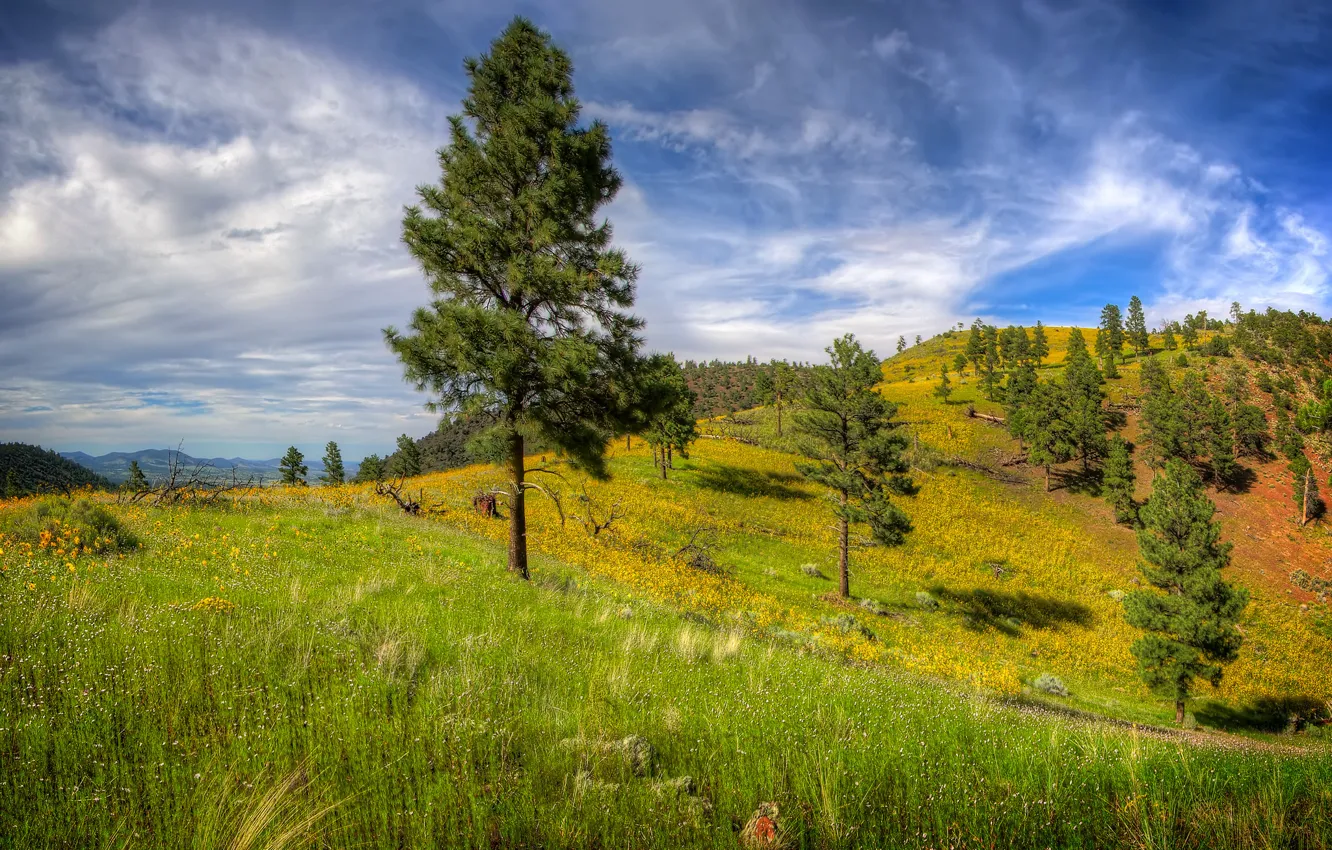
x,y
28,469
304,669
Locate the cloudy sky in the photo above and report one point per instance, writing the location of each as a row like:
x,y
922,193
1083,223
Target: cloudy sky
x,y
200,203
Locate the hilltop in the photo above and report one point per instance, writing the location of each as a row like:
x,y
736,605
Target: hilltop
x,y
26,469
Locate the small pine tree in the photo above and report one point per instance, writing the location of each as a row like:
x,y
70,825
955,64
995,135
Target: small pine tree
x,y
847,431
1221,445
1136,327
137,481
372,469
672,426
1251,434
334,474
917,339
1045,426
975,350
1117,480
1040,348
1168,340
1190,626
1110,338
945,388
960,363
407,459
293,468
901,344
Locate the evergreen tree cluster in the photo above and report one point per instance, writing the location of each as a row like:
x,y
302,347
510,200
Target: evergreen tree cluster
x,y
1183,420
990,351
721,388
26,470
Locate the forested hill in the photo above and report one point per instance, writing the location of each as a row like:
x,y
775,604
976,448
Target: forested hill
x,y
26,469
723,388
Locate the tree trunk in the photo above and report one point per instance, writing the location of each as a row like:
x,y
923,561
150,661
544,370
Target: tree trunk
x,y
843,558
1304,503
779,414
670,456
662,462
1179,712
517,510
1047,478
627,444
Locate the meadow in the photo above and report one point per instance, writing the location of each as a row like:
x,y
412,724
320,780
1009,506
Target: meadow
x,y
300,670
311,667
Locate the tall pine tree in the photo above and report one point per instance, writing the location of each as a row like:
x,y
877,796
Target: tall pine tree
x,y
334,474
292,467
527,325
1136,327
855,448
1190,617
1083,399
1117,480
1040,347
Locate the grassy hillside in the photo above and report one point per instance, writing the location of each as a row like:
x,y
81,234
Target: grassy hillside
x,y
306,670
312,667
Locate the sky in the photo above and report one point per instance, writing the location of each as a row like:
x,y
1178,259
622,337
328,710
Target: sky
x,y
201,203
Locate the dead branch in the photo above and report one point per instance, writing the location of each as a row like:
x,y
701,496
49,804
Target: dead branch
x,y
697,553
988,471
589,520
202,484
412,506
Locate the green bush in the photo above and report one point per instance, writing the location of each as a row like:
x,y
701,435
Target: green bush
x,y
62,518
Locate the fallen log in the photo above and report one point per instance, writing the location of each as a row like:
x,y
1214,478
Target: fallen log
x,y
975,414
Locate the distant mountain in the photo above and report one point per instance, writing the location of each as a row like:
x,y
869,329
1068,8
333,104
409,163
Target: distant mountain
x,y
28,469
156,463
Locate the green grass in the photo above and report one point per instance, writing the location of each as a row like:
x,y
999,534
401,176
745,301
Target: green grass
x,y
382,682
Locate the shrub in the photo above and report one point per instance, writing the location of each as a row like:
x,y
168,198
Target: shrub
x,y
812,571
873,607
1050,684
59,521
924,600
849,624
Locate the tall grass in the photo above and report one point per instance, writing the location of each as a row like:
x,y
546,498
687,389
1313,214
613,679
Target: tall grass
x,y
380,682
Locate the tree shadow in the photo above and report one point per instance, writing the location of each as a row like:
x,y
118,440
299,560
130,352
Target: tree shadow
x,y
1265,714
985,610
1085,482
1241,480
750,482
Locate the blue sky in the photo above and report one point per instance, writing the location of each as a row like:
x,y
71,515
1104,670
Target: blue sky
x,y
200,203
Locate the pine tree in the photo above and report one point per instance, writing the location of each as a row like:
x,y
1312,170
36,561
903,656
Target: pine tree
x,y
1008,347
1045,426
960,364
406,461
945,387
1117,480
292,467
372,469
1190,335
1251,433
1110,335
1040,348
671,426
334,474
1220,445
1190,619
527,323
990,377
774,386
917,339
1021,347
1168,340
901,344
1083,396
137,481
847,430
1162,422
1136,327
975,350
